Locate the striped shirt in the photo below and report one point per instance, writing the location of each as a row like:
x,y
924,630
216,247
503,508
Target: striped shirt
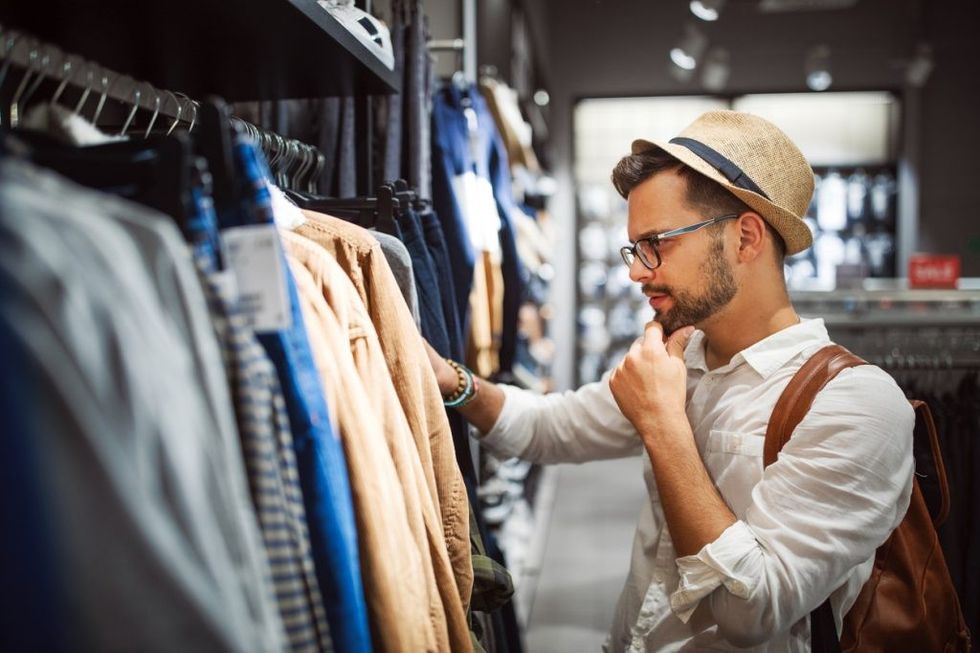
x,y
267,447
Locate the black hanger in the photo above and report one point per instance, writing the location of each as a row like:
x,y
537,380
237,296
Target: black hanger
x,y
405,195
213,141
408,196
368,212
154,172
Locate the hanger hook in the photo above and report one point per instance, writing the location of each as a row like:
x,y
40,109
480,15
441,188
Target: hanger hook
x,y
303,162
41,75
10,42
196,107
311,166
306,165
15,100
106,84
132,113
321,163
183,97
89,80
180,111
156,109
66,71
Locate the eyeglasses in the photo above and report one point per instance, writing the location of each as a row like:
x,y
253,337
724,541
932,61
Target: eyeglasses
x,y
648,249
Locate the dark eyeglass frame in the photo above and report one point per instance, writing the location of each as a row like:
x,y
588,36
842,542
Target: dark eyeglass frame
x,y
630,252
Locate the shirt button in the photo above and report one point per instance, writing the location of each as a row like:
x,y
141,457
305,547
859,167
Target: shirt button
x,y
738,587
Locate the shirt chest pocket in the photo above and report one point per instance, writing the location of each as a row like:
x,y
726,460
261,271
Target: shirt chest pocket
x,y
734,462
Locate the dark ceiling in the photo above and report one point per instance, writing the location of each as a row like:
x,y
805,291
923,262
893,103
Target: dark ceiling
x,y
616,47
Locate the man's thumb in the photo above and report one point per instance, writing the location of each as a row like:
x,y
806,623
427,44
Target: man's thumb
x,y
677,341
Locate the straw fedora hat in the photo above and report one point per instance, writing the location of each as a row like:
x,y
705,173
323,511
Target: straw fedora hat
x,y
755,161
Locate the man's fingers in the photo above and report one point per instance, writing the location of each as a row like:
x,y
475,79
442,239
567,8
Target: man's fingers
x,y
678,341
653,333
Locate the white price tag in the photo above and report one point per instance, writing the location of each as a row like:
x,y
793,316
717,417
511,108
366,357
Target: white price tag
x,y
475,196
226,285
254,255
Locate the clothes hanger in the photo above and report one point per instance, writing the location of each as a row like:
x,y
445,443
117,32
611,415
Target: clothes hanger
x,y
137,93
41,75
180,111
321,162
153,172
213,141
106,85
14,112
193,105
67,67
367,212
9,43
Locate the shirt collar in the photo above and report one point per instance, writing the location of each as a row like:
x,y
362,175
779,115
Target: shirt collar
x,y
694,354
767,355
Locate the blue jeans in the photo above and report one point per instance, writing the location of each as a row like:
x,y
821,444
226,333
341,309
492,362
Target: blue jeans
x,y
428,281
435,240
453,155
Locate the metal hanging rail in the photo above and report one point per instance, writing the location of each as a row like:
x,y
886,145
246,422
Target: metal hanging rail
x,y
43,61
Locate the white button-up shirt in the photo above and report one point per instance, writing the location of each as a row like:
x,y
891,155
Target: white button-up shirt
x,y
807,527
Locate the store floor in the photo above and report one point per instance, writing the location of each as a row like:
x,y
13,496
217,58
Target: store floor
x,y
586,556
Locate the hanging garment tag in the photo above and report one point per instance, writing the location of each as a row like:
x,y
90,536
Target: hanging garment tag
x,y
473,130
226,285
254,254
475,197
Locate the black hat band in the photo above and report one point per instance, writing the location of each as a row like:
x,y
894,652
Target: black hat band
x,y
721,163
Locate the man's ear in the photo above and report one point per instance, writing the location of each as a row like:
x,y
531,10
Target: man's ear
x,y
751,236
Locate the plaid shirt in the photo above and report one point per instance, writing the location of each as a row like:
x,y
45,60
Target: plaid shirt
x,y
492,583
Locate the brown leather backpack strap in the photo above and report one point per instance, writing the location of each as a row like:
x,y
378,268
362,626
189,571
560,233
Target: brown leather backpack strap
x,y
922,412
795,401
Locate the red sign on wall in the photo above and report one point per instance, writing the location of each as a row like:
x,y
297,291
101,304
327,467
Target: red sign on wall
x,y
932,271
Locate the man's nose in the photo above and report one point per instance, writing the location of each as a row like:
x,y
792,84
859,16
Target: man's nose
x,y
639,272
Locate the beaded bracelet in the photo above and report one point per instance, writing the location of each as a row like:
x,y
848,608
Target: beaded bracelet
x,y
466,389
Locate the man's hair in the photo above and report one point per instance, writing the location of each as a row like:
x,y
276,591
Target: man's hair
x,y
703,193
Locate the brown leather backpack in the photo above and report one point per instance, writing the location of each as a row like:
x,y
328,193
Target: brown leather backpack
x,y
909,602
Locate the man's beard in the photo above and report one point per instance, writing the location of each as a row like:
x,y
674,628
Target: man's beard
x,y
691,309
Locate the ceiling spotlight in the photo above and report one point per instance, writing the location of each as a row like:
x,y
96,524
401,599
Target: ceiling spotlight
x,y
817,67
920,67
690,48
715,70
707,9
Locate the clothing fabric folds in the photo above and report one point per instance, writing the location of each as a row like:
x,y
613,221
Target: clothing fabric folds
x,y
320,457
142,476
227,432
442,495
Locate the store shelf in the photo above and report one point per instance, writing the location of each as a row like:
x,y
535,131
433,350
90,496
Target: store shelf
x,y
896,320
259,50
890,303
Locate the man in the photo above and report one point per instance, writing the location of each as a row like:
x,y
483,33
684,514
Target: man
x,y
725,555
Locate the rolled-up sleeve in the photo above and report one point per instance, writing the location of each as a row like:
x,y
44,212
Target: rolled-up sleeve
x,y
839,487
715,565
574,426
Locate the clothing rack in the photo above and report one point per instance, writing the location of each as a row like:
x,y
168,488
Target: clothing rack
x,y
294,163
447,44
379,211
459,49
923,348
